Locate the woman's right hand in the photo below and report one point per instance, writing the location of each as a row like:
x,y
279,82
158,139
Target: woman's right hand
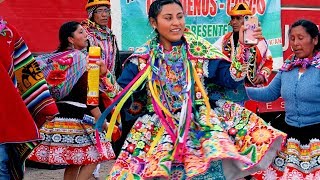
x,y
103,68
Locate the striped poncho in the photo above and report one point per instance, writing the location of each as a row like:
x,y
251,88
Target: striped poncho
x,y
25,101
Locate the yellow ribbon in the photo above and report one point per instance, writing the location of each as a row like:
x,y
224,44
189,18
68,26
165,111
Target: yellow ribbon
x,y
156,140
123,100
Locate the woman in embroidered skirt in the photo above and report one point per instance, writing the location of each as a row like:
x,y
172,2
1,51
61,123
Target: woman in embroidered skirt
x,y
298,84
70,139
181,136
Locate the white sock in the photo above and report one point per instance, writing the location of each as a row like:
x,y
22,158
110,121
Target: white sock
x,y
96,171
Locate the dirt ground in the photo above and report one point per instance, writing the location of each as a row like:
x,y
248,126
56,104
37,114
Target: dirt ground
x,y
46,174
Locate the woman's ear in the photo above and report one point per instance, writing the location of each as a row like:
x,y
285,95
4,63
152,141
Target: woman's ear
x,y
315,40
153,23
70,40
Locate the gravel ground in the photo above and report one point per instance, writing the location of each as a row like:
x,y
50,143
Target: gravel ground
x,y
46,174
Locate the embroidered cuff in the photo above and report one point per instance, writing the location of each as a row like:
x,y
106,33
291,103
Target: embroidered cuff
x,y
265,72
109,85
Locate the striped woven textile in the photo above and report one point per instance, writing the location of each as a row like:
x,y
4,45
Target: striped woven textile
x,y
67,66
25,99
32,84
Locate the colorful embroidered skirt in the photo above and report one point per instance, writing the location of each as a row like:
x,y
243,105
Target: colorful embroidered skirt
x,y
299,159
69,141
239,143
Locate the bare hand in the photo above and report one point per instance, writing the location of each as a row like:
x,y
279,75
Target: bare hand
x,y
105,126
103,68
259,79
256,34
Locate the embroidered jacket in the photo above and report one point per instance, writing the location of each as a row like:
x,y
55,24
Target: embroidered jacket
x,y
106,40
195,63
260,62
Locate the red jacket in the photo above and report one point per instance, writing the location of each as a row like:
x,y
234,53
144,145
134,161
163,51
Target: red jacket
x,y
262,61
25,101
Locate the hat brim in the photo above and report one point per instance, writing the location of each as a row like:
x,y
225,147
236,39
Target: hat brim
x,y
240,13
98,3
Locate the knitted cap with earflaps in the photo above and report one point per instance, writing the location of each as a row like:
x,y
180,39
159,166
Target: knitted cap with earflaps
x,y
240,9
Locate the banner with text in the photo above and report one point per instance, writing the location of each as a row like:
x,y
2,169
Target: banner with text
x,y
207,18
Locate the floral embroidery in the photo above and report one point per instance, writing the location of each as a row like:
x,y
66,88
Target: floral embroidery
x,y
270,174
135,107
80,149
4,30
149,148
178,172
294,175
295,161
261,135
56,77
2,27
198,49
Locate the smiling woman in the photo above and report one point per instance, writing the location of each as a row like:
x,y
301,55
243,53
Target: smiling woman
x,y
169,23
